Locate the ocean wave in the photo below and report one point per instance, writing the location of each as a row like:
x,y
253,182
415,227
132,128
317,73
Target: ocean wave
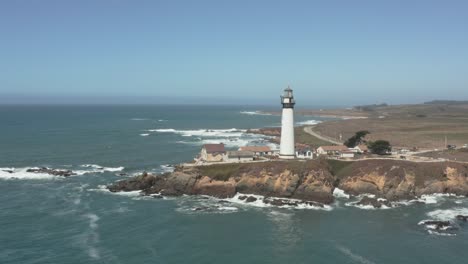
x,y
308,122
338,193
232,132
98,168
447,214
92,237
103,189
232,137
144,135
255,113
23,174
262,201
139,119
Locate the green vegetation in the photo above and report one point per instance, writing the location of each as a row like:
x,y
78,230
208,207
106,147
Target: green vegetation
x,y
338,167
380,147
305,138
221,172
357,139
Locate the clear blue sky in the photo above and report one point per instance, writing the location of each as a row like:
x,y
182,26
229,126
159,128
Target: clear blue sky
x,y
331,52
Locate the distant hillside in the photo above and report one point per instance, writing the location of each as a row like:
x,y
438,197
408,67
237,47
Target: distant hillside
x,y
447,102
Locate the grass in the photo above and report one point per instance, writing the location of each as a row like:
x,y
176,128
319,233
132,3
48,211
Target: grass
x,y
223,172
338,168
304,138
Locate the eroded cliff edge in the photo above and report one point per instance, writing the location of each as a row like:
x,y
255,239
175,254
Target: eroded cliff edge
x,y
313,180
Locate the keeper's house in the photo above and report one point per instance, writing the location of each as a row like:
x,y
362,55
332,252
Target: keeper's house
x,y
258,151
212,152
332,150
239,156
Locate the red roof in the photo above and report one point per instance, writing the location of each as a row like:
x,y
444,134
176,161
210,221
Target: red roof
x,y
256,148
335,148
214,148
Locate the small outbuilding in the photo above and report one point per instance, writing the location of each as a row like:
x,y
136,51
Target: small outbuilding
x,y
238,156
258,150
212,152
332,150
304,152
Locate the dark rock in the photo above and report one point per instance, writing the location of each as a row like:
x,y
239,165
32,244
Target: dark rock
x,y
243,197
250,199
440,225
64,173
374,202
223,202
463,218
9,171
122,174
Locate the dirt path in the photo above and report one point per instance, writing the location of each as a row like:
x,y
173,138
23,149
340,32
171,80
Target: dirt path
x,y
309,130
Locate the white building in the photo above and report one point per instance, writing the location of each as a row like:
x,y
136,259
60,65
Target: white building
x,y
258,151
238,156
332,150
212,152
304,153
287,125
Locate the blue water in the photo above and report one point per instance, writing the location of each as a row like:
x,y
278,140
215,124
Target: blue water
x,y
73,220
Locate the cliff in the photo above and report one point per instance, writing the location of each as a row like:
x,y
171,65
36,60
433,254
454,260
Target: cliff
x,y
312,180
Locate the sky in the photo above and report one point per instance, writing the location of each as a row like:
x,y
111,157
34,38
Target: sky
x,y
246,52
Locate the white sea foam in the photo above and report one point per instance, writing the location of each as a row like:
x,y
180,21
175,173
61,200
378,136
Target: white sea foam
x,y
255,113
354,256
338,193
447,214
308,122
440,233
144,135
230,137
92,237
22,174
103,189
139,119
97,168
260,203
167,168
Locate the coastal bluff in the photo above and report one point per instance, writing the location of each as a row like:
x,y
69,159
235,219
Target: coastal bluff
x,y
313,180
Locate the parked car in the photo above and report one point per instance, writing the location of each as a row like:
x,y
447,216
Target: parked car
x,y
451,146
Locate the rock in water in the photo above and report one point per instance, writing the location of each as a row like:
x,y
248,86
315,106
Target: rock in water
x,y
463,218
376,203
64,173
250,199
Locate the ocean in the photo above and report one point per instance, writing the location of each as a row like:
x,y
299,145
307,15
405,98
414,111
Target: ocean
x,y
51,219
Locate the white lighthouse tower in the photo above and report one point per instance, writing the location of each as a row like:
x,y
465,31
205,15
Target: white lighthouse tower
x,y
287,150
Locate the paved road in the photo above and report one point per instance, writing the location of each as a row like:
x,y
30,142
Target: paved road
x,y
309,130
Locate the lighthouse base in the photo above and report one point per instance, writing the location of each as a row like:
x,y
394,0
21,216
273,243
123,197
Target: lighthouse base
x,y
287,156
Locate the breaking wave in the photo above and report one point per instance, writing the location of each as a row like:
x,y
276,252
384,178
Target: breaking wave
x,y
255,113
308,122
27,173
232,137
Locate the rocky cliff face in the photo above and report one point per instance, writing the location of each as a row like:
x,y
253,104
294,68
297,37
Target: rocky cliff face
x,y
396,180
307,180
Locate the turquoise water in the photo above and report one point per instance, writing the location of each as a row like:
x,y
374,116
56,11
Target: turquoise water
x,y
73,220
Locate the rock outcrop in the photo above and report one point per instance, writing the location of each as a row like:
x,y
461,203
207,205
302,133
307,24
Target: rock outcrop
x,y
312,181
396,180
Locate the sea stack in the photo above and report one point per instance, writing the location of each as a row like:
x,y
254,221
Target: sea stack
x,y
287,125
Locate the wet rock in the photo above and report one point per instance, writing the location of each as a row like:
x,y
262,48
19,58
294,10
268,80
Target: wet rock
x,y
376,203
439,225
250,199
122,174
64,173
242,197
9,171
463,218
293,203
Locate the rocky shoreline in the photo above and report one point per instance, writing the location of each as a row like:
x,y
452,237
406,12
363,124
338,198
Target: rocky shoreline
x,y
386,181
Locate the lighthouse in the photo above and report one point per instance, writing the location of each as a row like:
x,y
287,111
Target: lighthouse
x,y
287,150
